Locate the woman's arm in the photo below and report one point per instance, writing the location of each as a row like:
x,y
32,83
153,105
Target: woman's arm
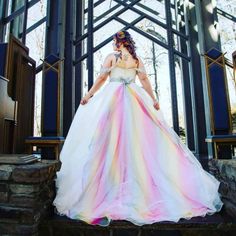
x,y
104,72
142,75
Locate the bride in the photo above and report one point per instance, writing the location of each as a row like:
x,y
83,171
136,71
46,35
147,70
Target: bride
x,y
121,160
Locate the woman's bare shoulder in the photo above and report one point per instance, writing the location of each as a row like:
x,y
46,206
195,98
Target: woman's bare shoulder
x,y
140,61
113,54
112,57
139,58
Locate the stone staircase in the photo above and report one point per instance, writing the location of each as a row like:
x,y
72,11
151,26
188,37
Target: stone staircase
x,y
219,224
27,191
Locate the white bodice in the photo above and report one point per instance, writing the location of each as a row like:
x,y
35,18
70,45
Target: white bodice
x,y
121,74
124,73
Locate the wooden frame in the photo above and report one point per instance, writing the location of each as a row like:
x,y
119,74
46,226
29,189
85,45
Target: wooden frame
x,y
218,139
216,61
53,142
20,75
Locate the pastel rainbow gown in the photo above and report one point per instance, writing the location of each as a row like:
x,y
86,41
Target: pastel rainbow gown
x,y
121,161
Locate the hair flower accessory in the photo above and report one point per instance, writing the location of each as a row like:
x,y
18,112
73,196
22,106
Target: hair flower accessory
x,y
121,34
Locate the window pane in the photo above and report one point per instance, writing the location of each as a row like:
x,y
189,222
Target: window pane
x,y
17,4
36,12
35,41
16,26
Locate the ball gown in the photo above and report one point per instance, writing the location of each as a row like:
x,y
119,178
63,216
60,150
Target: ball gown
x,y
121,161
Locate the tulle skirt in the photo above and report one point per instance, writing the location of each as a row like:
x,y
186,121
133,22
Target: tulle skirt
x,y
121,161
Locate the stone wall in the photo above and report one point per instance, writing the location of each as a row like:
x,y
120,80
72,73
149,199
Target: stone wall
x,y
225,171
26,194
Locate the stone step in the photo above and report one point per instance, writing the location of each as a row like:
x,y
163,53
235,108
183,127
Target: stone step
x,y
17,159
214,225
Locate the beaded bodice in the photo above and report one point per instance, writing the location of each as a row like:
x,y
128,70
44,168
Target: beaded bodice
x,y
121,74
125,75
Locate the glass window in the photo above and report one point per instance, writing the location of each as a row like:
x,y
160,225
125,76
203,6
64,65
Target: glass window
x,y
36,12
226,17
226,12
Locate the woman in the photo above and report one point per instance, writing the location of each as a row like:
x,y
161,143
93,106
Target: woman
x,y
120,159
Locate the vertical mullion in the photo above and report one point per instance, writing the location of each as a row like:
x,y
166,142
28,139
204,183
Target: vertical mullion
x,y
79,26
185,77
191,77
68,94
172,67
90,44
3,9
73,32
25,21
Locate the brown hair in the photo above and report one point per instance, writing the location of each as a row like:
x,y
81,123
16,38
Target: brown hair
x,y
125,38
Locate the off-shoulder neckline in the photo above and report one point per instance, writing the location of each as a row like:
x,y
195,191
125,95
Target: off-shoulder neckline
x,y
115,66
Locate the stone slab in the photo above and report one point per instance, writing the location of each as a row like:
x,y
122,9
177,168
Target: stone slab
x,y
3,197
25,188
19,215
17,159
6,171
225,172
225,167
35,173
12,229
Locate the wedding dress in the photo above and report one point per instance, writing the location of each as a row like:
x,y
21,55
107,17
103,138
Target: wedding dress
x,y
121,161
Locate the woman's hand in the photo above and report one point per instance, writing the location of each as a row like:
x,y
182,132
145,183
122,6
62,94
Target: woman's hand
x,y
85,99
156,104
